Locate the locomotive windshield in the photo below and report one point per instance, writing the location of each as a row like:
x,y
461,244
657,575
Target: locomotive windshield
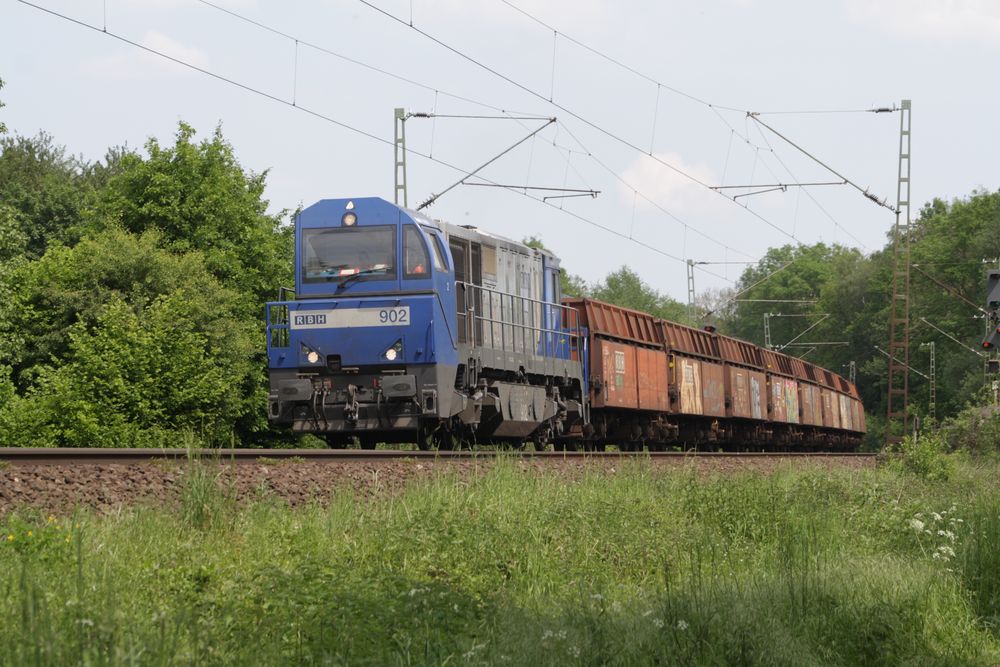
x,y
333,254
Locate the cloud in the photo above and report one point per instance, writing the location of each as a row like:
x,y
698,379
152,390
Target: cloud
x,y
160,42
667,187
133,65
944,20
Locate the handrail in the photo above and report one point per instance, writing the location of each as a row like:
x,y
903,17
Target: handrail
x,y
527,316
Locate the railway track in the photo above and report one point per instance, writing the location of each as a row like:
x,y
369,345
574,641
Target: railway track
x,y
35,455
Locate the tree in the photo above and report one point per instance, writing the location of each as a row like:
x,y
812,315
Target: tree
x,y
569,284
3,128
45,189
199,198
131,344
625,288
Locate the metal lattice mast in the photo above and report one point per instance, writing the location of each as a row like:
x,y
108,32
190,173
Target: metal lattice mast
x,y
690,274
767,330
400,148
932,401
897,417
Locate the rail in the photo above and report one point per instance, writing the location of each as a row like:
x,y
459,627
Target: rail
x,y
55,455
513,323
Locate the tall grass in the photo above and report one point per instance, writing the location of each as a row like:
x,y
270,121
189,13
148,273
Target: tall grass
x,y
635,567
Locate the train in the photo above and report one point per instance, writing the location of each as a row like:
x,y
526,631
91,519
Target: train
x,y
405,329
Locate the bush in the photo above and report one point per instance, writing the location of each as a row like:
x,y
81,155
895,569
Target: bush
x,y
925,455
975,430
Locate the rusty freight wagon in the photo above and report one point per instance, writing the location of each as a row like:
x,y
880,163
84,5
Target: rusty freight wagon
x,y
656,383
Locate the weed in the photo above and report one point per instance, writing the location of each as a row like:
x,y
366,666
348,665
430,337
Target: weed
x,y
925,456
638,567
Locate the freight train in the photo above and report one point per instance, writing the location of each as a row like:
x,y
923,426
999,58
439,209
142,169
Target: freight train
x,y
407,329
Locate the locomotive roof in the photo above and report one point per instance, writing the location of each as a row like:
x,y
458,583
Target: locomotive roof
x,y
471,231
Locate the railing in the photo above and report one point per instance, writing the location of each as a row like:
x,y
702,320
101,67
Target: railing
x,y
512,323
277,325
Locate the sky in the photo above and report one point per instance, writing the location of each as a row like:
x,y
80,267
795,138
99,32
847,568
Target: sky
x,y
650,100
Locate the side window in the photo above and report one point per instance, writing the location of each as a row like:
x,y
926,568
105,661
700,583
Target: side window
x,y
416,263
437,251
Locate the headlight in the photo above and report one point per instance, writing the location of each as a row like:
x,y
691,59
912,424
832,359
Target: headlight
x,y
312,357
349,219
390,354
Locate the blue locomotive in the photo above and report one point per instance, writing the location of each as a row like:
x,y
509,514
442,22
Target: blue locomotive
x,y
407,329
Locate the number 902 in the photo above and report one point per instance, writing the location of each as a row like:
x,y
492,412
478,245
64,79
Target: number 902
x,y
392,316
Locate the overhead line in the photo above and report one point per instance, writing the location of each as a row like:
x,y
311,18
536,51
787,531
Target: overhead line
x,y
864,191
353,61
809,194
333,121
648,199
677,91
428,87
601,54
589,123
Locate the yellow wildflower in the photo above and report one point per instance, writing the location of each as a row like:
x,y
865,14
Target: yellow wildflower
x,y
29,533
10,537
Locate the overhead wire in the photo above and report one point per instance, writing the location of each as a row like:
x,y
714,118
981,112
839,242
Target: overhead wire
x,y
715,108
338,123
506,113
815,201
570,112
353,61
601,54
648,199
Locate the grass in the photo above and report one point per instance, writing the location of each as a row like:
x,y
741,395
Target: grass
x,y
798,567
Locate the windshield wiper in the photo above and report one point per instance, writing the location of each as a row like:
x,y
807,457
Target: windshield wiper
x,y
354,276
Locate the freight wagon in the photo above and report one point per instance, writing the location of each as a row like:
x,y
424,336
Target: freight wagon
x,y
653,382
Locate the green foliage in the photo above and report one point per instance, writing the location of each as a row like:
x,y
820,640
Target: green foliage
x,y
3,127
801,567
569,284
70,286
199,198
926,456
974,429
625,288
44,193
131,343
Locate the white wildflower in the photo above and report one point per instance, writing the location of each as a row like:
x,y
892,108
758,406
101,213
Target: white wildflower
x,y
648,613
946,551
658,622
937,517
574,651
546,635
682,625
916,524
596,596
